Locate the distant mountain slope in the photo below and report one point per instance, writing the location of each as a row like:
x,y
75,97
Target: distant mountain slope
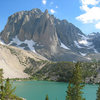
x,y
63,71
13,61
42,33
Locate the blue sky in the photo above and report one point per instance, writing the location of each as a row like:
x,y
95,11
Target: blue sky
x,y
82,13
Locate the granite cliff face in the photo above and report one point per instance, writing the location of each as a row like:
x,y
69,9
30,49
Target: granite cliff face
x,y
55,39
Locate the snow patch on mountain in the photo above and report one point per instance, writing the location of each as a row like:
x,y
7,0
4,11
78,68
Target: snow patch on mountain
x,y
1,42
77,44
95,51
88,58
83,36
83,54
63,46
84,41
30,43
92,34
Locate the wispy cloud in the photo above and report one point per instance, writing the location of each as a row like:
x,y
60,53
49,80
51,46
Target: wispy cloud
x,y
52,11
91,14
90,2
97,25
44,2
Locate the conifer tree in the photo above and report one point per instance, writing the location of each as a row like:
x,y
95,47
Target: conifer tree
x,y
98,93
75,85
1,84
68,97
47,98
8,90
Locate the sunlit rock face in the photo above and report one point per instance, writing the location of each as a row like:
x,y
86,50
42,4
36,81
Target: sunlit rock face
x,y
42,33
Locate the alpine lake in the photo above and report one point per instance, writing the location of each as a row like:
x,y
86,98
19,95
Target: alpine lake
x,y
37,90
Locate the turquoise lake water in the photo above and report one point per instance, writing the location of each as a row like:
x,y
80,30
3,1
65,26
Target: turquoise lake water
x,y
37,90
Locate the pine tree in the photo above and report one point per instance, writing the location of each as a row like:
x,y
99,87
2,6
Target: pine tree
x,y
68,97
75,85
1,84
98,93
8,90
47,98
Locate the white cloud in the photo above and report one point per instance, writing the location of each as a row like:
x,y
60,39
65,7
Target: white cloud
x,y
90,16
92,10
52,11
86,3
97,25
44,2
90,2
84,7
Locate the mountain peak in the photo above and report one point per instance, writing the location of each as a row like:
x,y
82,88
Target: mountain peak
x,y
44,34
36,10
46,11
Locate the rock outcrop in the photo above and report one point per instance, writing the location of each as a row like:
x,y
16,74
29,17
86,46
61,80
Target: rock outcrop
x,y
14,61
55,39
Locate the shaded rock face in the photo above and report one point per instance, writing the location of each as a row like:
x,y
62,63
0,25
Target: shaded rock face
x,y
21,24
31,25
53,38
67,32
95,38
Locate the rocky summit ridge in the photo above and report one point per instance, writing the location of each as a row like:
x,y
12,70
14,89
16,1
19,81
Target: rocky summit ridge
x,y
57,40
